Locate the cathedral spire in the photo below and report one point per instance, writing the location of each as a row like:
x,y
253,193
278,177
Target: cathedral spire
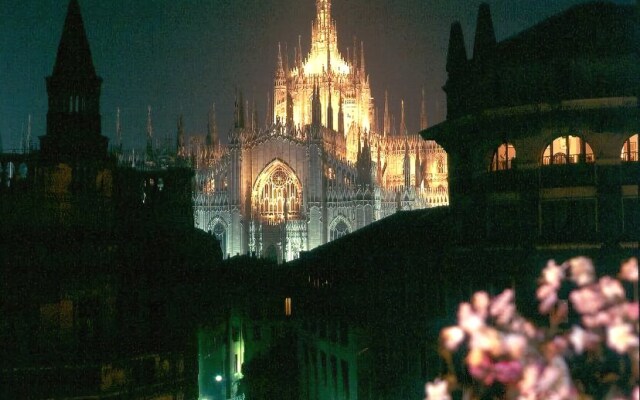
x,y
149,134
268,113
247,115
355,54
118,130
329,112
239,111
418,168
254,115
403,125
27,141
280,70
212,140
323,13
180,137
387,122
299,60
407,164
424,121
362,65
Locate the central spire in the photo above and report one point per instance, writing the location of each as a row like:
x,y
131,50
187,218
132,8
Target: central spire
x,y
323,13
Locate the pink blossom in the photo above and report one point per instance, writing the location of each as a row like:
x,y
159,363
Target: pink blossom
x,y
602,318
548,298
468,320
502,306
635,393
611,288
555,381
581,339
620,337
515,345
437,390
486,339
582,271
508,372
632,310
452,337
527,385
629,270
480,367
480,302
587,300
521,325
553,274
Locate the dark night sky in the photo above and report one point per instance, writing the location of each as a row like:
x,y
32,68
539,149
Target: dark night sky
x,y
179,56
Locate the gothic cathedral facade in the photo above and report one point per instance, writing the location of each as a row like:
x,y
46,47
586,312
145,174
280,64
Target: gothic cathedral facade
x,y
320,167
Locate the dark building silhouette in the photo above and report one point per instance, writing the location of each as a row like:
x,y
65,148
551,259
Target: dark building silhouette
x,y
98,262
542,144
542,130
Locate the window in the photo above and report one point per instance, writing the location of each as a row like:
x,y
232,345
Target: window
x,y
277,193
220,232
503,157
630,149
287,306
339,229
568,150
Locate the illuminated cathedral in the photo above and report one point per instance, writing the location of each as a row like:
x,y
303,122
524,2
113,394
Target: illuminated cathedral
x,y
320,167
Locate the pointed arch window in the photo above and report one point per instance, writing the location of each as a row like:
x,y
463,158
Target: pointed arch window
x,y
503,157
568,150
629,151
277,193
220,232
339,228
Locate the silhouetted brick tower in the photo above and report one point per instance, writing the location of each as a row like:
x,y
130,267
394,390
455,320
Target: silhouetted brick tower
x,y
73,120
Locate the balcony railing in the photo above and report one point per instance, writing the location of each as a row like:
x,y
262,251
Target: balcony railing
x,y
630,156
561,158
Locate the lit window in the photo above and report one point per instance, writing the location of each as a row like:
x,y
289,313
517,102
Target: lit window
x,y
277,192
568,150
503,157
630,149
287,306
